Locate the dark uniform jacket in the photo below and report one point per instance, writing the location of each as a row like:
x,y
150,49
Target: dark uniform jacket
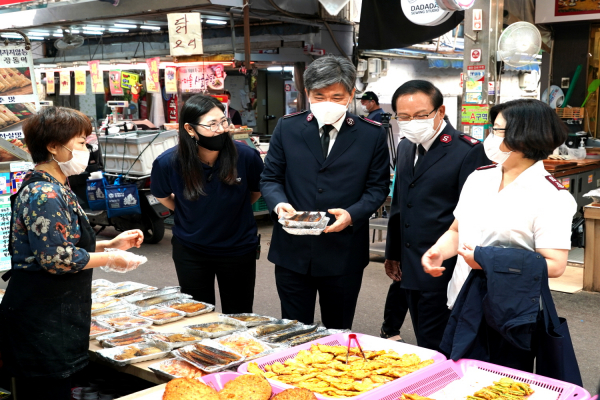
x,y
506,293
424,201
355,177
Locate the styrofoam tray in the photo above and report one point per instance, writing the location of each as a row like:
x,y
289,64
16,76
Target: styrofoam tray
x,y
451,380
341,339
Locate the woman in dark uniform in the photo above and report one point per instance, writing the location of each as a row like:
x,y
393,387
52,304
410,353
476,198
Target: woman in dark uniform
x,y
46,311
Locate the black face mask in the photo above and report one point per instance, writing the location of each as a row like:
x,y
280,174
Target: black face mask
x,y
213,143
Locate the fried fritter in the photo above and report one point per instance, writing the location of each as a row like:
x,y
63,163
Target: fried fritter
x,y
414,396
188,307
295,394
246,387
189,389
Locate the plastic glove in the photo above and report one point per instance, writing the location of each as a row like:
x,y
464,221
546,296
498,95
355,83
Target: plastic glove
x,y
122,261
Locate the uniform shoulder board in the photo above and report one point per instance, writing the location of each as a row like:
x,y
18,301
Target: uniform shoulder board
x,y
370,121
294,114
469,139
555,182
487,167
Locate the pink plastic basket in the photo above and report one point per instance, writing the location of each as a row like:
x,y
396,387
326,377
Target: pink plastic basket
x,y
428,381
341,339
218,380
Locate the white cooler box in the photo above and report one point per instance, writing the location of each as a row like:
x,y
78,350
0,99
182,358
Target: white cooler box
x,y
120,151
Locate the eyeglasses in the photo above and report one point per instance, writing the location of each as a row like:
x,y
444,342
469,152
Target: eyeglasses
x,y
495,131
224,123
404,117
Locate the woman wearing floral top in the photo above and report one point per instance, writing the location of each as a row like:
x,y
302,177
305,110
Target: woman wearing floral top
x,y
45,313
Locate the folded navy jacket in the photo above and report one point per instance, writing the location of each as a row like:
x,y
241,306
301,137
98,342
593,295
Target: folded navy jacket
x,y
505,293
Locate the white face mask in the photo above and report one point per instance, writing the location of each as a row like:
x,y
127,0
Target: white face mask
x,y
76,165
418,130
364,108
327,112
491,146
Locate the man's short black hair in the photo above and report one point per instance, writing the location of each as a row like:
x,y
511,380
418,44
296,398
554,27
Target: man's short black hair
x,y
419,86
532,127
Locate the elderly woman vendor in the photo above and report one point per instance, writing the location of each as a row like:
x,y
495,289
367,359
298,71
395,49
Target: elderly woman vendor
x,y
46,311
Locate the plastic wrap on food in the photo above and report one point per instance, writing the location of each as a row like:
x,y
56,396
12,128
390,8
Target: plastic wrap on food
x,y
209,356
98,328
268,329
314,231
309,337
124,355
99,284
174,340
283,336
120,290
107,304
124,338
123,321
156,301
249,320
246,345
148,294
302,219
211,330
190,307
124,307
160,315
176,368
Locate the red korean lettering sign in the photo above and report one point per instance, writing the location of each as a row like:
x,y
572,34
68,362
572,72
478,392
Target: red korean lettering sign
x,y
96,77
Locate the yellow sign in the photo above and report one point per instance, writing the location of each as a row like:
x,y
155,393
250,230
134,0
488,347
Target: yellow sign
x,y
65,83
152,79
80,83
50,82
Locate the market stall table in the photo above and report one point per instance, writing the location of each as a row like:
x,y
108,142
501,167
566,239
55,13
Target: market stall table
x,y
141,369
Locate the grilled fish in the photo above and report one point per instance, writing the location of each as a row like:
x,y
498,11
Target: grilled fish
x,y
283,336
272,328
308,337
209,355
249,318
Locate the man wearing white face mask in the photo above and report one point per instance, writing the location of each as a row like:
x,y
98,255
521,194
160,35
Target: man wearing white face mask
x,y
433,164
333,161
369,103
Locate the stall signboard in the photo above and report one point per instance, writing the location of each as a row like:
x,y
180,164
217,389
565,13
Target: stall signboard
x,y
185,34
475,78
152,78
50,83
128,79
547,11
5,212
65,83
171,80
474,114
114,81
172,105
424,12
80,83
96,77
200,78
18,98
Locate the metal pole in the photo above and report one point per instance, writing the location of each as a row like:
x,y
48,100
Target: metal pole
x,y
247,34
232,24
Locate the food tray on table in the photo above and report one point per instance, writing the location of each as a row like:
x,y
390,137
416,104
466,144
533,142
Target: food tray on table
x,y
312,231
160,315
368,343
247,345
450,380
206,366
99,284
98,328
172,339
123,321
107,304
211,330
175,368
124,307
280,338
148,294
110,354
159,300
116,339
249,320
207,307
120,290
302,219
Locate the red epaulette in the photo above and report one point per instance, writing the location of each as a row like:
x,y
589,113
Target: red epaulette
x,y
469,139
370,121
486,167
293,114
555,182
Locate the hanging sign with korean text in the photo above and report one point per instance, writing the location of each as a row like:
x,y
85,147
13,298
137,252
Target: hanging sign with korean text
x,y
65,83
80,84
185,34
129,79
96,77
114,82
152,79
200,78
474,114
171,80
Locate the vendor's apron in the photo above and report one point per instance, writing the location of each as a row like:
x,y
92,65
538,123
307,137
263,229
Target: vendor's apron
x,y
45,318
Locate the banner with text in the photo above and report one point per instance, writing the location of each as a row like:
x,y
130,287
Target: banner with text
x,y
171,80
185,34
80,83
96,77
200,78
152,77
65,83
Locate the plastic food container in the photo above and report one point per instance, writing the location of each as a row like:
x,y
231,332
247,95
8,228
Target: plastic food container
x,y
310,219
313,231
109,354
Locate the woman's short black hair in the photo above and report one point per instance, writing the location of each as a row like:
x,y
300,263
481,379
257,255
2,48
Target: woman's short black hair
x,y
56,125
419,86
187,152
532,127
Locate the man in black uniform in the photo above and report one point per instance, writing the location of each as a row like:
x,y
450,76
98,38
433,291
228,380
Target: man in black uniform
x,y
369,103
325,160
433,164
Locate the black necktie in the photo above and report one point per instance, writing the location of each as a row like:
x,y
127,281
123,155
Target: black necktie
x,y
325,139
422,152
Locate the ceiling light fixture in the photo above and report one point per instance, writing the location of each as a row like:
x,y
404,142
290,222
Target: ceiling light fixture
x,y
130,26
216,22
118,30
151,28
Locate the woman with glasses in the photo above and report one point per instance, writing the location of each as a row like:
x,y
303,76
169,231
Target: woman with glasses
x,y
45,313
210,182
514,203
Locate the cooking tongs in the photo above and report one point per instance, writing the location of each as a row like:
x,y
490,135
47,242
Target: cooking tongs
x,y
350,337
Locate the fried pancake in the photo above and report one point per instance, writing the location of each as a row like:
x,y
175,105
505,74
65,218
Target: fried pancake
x,y
246,387
295,394
189,389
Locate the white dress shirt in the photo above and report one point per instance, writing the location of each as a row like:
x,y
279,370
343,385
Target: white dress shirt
x,y
333,132
427,144
530,213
